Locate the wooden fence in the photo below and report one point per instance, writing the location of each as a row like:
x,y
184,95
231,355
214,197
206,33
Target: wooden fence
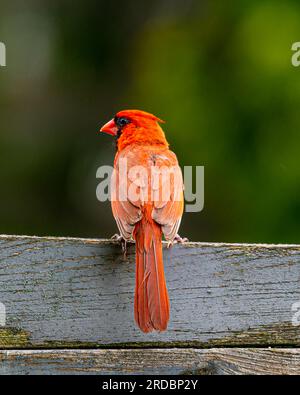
x,y
66,306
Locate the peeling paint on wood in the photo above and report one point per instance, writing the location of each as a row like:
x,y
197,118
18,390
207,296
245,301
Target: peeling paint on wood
x,y
61,292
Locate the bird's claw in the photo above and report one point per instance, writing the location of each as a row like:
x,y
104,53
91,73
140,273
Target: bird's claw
x,y
117,237
178,240
123,242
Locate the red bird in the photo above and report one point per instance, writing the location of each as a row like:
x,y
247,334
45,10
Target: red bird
x,y
147,202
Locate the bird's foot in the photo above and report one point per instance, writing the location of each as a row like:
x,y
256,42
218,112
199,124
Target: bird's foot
x,y
117,237
178,240
121,240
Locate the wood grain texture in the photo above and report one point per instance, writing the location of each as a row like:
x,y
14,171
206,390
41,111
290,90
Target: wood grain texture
x,y
152,361
61,292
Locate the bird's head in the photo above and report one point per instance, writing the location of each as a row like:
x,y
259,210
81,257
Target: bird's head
x,y
135,127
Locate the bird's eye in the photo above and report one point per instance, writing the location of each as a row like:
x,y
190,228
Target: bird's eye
x,y
121,122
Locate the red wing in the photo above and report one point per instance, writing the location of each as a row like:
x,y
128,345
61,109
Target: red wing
x,y
126,191
169,201
125,212
130,193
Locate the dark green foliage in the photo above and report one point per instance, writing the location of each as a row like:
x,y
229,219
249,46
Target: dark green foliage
x,y
220,75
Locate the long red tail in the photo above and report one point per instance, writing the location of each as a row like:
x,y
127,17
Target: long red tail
x,y
151,302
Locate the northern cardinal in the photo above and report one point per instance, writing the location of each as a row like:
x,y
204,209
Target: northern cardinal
x,y
151,206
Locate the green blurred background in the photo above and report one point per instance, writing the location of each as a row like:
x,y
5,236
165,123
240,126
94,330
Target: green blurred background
x,y
218,72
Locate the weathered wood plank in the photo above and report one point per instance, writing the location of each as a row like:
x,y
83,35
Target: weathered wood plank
x,y
74,292
152,361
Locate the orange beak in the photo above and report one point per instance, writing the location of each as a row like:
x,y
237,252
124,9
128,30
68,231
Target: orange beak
x,y
110,128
